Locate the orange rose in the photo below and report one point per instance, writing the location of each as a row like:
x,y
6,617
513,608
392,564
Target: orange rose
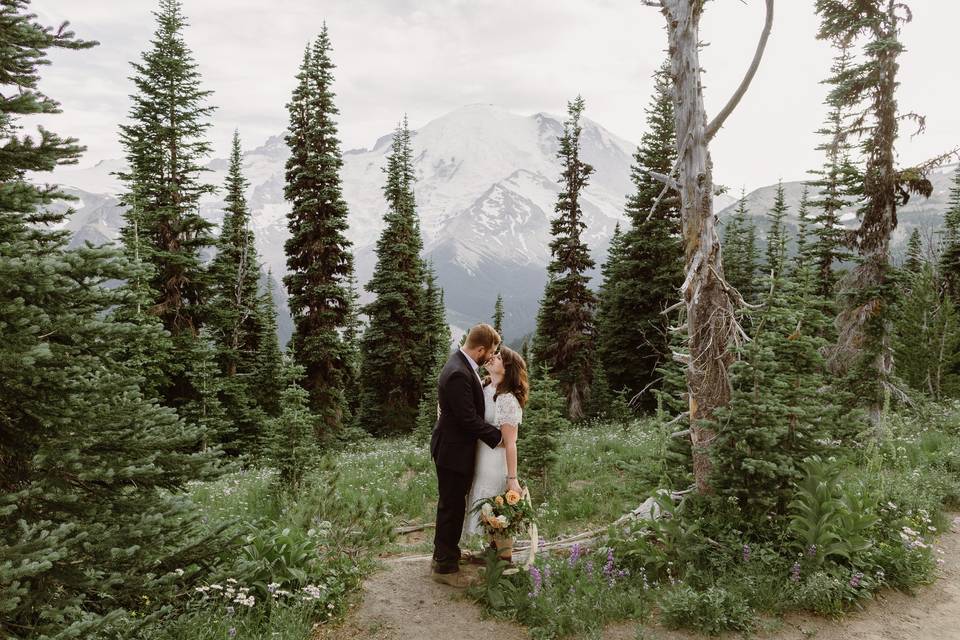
x,y
512,497
499,501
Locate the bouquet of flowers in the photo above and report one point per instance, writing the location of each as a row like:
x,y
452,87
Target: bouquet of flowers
x,y
505,515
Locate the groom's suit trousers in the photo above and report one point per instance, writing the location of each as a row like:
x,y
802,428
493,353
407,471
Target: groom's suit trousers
x,y
451,508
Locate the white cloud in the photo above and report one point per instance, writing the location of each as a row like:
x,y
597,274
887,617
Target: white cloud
x,y
430,56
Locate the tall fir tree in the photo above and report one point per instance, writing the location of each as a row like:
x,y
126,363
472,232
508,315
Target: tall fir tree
x,y
93,518
392,374
498,314
564,343
950,248
863,351
642,274
352,335
740,251
290,442
234,313
914,260
437,335
544,419
926,339
776,251
782,408
319,256
806,245
165,147
837,183
268,360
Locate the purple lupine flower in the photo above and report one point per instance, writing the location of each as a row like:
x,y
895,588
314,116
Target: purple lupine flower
x,y
574,554
608,568
812,551
795,571
537,580
855,579
746,553
546,574
589,567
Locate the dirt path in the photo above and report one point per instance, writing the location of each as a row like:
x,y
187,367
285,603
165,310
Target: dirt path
x,y
402,603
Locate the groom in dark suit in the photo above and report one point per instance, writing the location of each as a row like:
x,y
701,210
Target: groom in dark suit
x,y
453,446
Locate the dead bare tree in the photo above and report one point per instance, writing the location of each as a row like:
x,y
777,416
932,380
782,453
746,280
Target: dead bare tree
x,y
711,303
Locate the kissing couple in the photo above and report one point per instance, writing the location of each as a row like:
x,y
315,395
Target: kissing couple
x,y
474,443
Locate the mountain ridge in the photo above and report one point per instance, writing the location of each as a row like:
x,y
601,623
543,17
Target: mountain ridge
x,y
487,182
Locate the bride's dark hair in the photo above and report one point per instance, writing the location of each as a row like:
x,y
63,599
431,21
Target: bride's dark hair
x,y
515,379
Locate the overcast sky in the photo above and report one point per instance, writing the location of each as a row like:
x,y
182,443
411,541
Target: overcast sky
x,y
427,57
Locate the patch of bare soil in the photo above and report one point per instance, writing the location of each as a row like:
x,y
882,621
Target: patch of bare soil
x,y
403,603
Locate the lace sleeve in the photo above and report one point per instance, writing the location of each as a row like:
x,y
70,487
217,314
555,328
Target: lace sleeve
x,y
508,410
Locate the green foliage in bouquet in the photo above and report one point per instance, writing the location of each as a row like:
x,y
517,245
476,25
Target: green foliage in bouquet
x,y
505,515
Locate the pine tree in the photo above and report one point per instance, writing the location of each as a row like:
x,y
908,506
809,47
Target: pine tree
x,y
498,315
392,374
544,418
643,274
740,251
564,342
93,520
806,249
352,334
927,335
165,148
863,352
234,313
838,182
779,412
291,442
319,257
437,347
268,361
950,253
776,251
205,408
914,261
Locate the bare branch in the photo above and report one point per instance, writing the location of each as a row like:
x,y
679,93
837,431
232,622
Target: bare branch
x,y
668,181
721,117
678,418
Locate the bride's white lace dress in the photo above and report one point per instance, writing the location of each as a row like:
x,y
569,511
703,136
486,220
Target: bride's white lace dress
x,y
490,473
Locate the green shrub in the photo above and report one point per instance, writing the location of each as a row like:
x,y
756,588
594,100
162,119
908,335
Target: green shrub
x,y
575,594
712,611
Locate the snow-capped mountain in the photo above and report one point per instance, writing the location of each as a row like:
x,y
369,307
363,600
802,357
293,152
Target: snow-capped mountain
x,y
925,214
486,189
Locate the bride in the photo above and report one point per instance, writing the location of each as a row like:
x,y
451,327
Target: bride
x,y
505,393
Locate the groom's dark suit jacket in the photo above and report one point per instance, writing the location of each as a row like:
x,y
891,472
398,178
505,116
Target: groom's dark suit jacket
x,y
461,422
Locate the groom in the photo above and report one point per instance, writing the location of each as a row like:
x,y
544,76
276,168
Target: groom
x,y
453,446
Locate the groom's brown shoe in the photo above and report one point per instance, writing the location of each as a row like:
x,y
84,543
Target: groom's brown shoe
x,y
457,579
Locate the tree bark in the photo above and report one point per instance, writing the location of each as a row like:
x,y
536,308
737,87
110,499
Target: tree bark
x,y
710,302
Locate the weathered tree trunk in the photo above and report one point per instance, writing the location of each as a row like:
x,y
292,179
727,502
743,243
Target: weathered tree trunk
x,y
710,302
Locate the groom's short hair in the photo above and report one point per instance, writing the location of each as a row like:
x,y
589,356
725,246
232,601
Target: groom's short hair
x,y
482,335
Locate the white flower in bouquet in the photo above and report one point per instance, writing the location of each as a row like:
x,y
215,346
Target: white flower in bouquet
x,y
502,520
487,509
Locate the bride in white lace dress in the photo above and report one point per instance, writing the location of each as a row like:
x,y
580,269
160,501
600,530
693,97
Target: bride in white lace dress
x,y
504,395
